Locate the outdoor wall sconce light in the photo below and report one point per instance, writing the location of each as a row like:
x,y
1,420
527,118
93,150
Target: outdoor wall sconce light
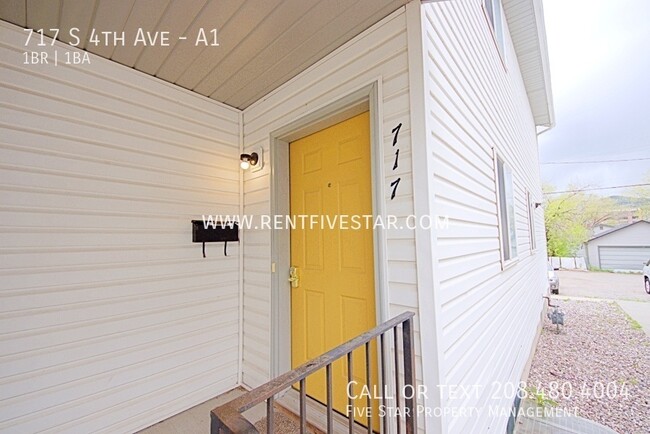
x,y
537,204
248,160
251,161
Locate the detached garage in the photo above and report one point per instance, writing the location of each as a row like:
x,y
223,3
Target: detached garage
x,y
623,248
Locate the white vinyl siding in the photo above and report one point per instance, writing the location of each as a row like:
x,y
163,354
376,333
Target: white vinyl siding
x,y
381,52
488,316
110,318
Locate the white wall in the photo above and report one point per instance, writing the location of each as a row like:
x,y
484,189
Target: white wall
x,y
379,53
110,319
487,317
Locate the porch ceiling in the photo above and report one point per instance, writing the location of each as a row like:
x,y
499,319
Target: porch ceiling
x,y
262,44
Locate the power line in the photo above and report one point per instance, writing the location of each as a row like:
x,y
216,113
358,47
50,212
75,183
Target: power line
x,y
597,161
597,188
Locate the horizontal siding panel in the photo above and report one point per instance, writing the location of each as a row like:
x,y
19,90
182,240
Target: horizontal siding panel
x,y
68,128
118,359
110,316
86,355
53,295
87,97
455,267
404,294
468,229
169,376
460,292
459,189
359,57
93,150
167,398
81,312
459,210
137,84
459,247
489,316
127,272
15,114
69,165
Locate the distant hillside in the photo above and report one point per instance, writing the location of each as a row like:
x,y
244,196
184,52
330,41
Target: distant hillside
x,y
630,202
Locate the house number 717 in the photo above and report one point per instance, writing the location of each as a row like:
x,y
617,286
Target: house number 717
x,y
395,183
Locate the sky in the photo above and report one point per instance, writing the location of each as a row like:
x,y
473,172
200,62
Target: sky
x,y
599,52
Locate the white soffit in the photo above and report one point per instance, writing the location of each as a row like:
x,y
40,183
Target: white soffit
x,y
528,32
262,44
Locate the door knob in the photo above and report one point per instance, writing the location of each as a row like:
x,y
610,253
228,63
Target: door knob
x,y
293,277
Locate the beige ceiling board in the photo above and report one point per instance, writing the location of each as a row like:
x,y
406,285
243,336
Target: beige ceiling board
x,y
245,22
43,14
145,15
13,11
277,50
262,43
215,15
79,14
177,18
312,49
255,43
111,16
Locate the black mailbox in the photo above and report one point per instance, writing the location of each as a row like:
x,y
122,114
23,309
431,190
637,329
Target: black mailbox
x,y
214,232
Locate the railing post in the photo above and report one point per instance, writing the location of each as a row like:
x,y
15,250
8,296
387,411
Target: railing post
x,y
215,425
382,363
270,416
228,418
408,346
398,419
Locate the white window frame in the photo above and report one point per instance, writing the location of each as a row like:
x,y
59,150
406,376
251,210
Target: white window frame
x,y
493,14
531,222
506,216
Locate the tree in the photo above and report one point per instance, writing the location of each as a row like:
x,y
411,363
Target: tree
x,y
570,217
642,196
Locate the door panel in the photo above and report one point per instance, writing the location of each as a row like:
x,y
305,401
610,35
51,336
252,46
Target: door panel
x,y
335,301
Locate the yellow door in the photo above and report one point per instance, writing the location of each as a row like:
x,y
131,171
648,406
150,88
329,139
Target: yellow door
x,y
335,297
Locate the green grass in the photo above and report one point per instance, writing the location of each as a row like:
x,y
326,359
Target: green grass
x,y
539,397
630,381
633,323
599,270
604,270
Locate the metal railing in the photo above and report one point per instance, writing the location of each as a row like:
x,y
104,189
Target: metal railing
x,y
228,418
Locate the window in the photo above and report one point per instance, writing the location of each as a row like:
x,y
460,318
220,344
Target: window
x,y
493,12
531,222
508,232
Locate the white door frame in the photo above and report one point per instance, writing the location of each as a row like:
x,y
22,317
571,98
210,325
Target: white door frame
x,y
365,98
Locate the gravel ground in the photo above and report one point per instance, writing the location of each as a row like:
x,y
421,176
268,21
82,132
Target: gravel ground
x,y
598,347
